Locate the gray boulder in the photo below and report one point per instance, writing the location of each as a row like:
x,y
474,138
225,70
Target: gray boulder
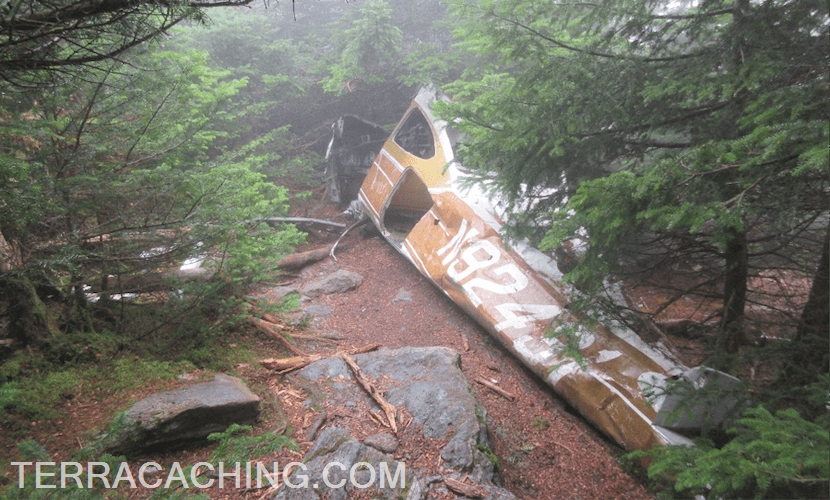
x,y
336,282
386,477
429,383
175,418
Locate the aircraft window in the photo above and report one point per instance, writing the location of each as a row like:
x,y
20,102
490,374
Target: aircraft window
x,y
415,136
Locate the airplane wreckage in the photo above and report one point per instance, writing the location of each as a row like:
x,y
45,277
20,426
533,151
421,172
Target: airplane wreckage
x,y
412,191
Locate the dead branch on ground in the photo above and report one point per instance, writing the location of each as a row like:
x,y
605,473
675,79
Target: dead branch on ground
x,y
262,325
373,391
285,365
493,387
464,489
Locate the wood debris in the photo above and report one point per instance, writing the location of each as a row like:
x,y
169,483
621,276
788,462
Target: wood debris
x,y
262,325
373,391
302,259
464,489
285,365
493,387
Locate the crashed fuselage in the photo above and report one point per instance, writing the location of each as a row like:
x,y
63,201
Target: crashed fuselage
x,y
413,194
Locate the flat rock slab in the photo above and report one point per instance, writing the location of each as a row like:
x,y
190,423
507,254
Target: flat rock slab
x,y
337,282
175,418
429,383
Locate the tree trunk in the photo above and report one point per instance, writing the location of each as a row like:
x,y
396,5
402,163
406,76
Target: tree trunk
x,y
815,318
30,321
734,292
737,259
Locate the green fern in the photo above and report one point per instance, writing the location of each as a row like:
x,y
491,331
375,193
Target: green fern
x,y
233,448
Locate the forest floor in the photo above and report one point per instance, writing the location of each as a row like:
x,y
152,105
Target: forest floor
x,y
545,450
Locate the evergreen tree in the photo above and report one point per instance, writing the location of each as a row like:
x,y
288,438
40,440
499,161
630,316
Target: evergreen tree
x,y
40,38
108,180
691,132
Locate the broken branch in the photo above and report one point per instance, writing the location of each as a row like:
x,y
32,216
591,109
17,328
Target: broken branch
x,y
377,419
291,363
373,391
464,489
264,327
313,337
285,365
493,387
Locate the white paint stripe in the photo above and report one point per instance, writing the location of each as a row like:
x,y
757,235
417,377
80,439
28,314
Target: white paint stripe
x,y
606,355
415,255
618,393
454,239
366,203
392,159
405,253
473,232
379,169
670,437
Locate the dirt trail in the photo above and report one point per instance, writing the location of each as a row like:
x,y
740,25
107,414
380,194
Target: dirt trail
x,y
545,451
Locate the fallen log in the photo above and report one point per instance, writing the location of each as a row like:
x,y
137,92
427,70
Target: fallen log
x,y
493,387
302,259
285,365
373,391
293,362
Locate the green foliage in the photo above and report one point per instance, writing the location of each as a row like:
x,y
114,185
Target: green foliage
x,y
771,456
663,135
370,43
32,451
290,302
234,448
540,423
9,393
483,448
38,396
84,347
250,44
139,178
578,91
568,337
